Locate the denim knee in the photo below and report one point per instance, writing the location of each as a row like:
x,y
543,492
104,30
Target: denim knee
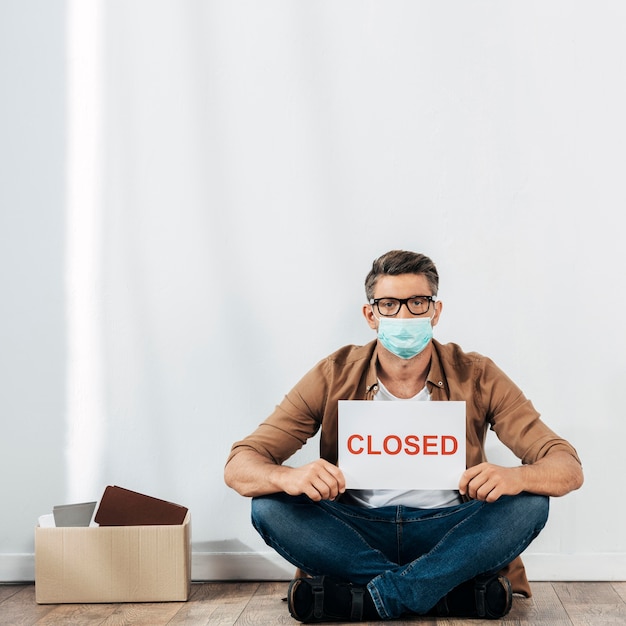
x,y
522,516
538,508
531,510
262,509
268,511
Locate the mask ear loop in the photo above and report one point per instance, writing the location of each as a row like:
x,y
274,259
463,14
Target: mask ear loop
x,y
374,314
434,311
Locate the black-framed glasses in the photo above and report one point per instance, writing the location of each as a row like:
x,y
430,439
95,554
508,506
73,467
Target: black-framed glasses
x,y
416,305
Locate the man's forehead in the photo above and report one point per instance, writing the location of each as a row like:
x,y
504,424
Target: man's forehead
x,y
416,284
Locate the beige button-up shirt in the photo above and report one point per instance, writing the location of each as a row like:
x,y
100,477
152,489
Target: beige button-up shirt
x,y
492,401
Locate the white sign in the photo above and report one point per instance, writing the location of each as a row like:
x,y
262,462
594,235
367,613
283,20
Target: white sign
x,y
401,445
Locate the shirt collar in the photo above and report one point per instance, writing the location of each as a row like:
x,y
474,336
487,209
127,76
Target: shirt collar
x,y
434,380
371,379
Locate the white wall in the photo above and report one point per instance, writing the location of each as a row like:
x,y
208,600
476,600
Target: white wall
x,y
33,332
248,161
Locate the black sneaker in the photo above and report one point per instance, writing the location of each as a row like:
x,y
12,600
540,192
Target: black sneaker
x,y
487,597
323,599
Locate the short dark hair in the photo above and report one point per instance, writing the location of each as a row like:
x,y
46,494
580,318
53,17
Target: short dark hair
x,y
396,262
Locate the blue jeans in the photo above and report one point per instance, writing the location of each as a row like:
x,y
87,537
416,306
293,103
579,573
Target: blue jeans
x,y
408,558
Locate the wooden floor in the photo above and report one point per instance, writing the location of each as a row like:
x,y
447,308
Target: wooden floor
x,y
252,603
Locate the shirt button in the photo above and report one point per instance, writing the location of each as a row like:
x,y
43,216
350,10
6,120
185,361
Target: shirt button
x,y
440,383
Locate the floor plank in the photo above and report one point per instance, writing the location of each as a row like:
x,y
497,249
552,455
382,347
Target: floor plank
x,y
6,591
77,614
144,614
266,607
20,609
260,604
543,608
218,604
592,603
620,589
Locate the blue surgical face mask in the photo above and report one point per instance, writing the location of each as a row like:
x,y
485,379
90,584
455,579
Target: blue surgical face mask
x,y
405,337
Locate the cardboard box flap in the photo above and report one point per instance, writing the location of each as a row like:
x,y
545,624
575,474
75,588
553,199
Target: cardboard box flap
x,y
122,507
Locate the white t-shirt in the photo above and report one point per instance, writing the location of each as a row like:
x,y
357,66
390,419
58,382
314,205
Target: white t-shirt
x,y
415,498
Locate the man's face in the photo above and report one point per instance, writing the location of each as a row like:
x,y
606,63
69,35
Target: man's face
x,y
401,287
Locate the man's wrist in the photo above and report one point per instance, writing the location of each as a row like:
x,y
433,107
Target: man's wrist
x,y
277,475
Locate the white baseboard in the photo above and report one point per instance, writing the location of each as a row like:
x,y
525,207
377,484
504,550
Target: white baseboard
x,y
269,566
572,567
17,568
240,566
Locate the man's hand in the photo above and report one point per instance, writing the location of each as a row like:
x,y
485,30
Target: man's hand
x,y
487,482
319,480
555,474
252,474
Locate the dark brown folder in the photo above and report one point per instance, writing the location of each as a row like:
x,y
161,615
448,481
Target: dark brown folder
x,y
122,507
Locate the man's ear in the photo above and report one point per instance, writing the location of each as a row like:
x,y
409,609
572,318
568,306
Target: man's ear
x,y
438,309
368,313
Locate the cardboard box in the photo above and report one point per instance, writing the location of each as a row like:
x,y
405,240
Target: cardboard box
x,y
113,563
